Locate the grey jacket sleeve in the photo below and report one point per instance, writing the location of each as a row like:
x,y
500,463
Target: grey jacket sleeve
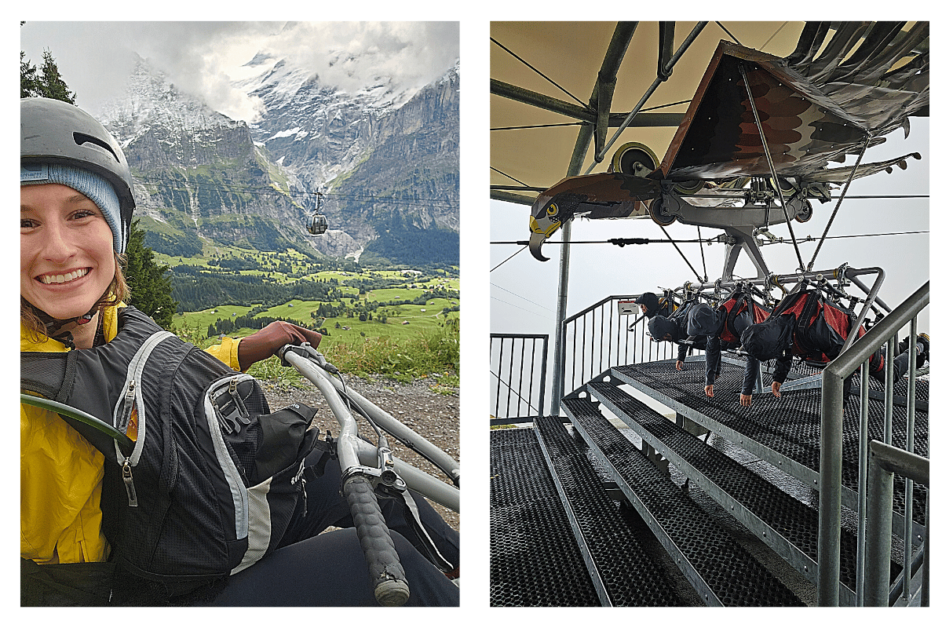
x,y
783,365
749,379
713,359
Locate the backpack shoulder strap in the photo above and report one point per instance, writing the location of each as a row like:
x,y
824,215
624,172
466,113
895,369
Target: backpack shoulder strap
x,y
809,311
82,378
52,375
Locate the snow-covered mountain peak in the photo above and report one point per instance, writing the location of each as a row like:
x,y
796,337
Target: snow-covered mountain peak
x,y
151,99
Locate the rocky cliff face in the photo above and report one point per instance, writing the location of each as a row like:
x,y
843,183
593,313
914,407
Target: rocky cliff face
x,y
192,161
377,153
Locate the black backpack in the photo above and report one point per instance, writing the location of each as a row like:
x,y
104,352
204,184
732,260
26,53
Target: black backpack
x,y
213,477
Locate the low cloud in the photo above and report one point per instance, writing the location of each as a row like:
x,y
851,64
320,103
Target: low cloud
x,y
203,58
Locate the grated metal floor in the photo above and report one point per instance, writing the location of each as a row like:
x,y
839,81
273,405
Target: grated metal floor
x,y
535,560
780,514
789,425
535,557
629,575
729,576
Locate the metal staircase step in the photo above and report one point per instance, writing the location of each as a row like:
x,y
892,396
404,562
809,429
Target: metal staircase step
x,y
623,571
782,431
535,560
787,525
722,571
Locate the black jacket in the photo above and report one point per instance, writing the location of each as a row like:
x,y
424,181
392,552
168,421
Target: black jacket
x,y
714,346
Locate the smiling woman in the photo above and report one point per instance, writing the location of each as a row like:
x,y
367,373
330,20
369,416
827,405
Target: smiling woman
x,y
67,266
133,495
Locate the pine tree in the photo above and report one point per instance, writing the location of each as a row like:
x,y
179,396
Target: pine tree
x,y
45,81
53,85
151,290
29,81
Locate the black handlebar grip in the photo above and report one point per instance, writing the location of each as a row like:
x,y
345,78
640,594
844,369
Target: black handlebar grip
x,y
386,574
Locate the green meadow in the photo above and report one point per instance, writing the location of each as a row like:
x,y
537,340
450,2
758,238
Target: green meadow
x,y
416,340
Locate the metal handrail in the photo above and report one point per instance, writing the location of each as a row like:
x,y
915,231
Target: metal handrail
x,y
518,381
885,461
832,410
607,345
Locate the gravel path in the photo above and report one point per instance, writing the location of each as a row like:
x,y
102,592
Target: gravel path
x,y
417,405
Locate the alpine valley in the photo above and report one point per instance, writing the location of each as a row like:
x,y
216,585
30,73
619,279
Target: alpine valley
x,y
385,159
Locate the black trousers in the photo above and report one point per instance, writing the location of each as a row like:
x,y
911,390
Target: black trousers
x,y
314,569
878,368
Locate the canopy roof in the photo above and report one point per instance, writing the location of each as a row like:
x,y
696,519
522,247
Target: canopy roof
x,y
827,88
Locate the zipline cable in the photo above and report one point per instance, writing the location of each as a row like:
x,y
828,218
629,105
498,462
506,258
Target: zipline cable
x,y
508,176
508,259
762,47
625,241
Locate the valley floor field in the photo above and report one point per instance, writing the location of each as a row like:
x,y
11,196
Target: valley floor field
x,y
370,318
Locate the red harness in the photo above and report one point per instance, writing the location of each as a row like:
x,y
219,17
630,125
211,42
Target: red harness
x,y
734,307
806,313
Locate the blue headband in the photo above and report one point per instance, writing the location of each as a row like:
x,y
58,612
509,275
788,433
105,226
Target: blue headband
x,y
95,187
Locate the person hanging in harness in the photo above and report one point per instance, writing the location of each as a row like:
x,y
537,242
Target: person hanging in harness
x,y
807,326
652,306
76,205
721,329
673,328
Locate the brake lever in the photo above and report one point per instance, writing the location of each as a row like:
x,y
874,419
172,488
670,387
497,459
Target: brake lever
x,y
309,352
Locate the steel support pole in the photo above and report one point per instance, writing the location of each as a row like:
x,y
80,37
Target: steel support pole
x,y
879,509
561,304
829,512
578,156
634,115
510,197
768,155
613,56
601,99
871,295
839,201
578,112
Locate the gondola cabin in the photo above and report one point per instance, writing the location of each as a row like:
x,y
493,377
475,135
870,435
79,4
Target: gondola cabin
x,y
317,224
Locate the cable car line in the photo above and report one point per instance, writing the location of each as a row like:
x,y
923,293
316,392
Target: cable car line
x,y
298,193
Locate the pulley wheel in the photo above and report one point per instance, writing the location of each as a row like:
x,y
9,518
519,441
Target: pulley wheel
x,y
635,159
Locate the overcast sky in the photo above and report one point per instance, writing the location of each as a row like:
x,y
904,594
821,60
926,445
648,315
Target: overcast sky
x,y
204,57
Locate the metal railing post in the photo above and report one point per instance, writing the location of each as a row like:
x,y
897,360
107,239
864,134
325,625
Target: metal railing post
x,y
863,430
885,462
925,562
832,407
910,447
563,299
880,509
829,528
528,376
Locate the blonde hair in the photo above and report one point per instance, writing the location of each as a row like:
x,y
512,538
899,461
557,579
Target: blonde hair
x,y
117,292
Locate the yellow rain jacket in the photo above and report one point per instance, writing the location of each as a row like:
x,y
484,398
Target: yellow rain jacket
x,y
61,473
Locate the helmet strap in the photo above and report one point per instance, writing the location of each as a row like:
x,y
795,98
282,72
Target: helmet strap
x,y
54,325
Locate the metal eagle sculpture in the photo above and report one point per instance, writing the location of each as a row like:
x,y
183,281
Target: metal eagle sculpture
x,y
723,170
